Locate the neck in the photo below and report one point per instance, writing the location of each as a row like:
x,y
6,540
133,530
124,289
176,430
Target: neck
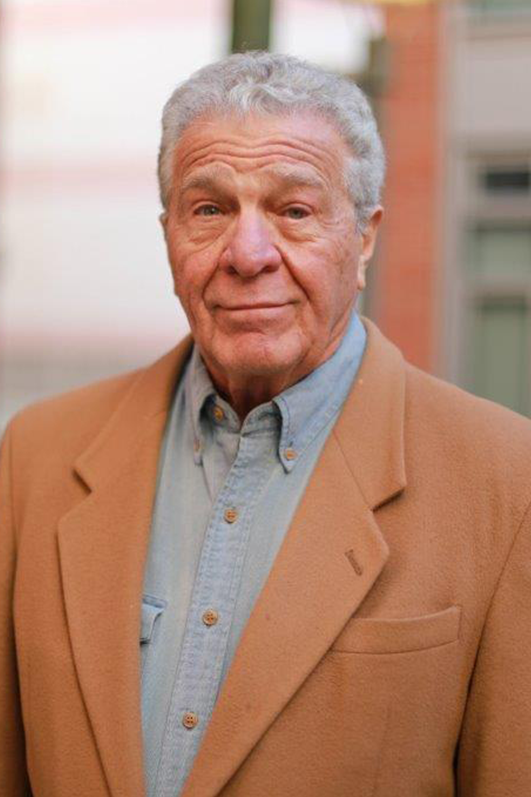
x,y
244,391
249,392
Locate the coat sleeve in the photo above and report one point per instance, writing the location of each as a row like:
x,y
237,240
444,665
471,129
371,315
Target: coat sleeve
x,y
494,756
14,780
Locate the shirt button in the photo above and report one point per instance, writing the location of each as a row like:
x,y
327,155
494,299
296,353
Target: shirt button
x,y
190,720
210,617
218,413
290,453
230,515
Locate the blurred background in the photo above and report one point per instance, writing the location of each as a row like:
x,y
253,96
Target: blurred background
x,y
85,289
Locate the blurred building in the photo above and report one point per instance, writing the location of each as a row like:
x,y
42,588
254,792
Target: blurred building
x,y
453,281
85,289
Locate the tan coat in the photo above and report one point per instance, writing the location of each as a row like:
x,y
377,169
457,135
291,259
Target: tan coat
x,y
388,654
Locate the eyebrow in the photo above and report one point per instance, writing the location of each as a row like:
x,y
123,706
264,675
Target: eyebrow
x,y
296,176
206,179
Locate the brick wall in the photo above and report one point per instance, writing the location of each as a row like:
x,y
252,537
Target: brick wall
x,y
405,301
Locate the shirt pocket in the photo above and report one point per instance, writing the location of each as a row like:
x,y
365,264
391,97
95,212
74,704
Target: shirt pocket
x,y
400,635
152,609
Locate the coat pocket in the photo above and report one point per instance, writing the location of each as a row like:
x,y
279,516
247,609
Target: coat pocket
x,y
401,635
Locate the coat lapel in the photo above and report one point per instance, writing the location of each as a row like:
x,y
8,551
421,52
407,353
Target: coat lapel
x,y
330,558
102,546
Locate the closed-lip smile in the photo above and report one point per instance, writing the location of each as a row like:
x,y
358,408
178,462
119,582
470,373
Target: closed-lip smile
x,y
257,306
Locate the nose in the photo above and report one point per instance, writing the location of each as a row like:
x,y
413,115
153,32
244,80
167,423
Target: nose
x,y
250,249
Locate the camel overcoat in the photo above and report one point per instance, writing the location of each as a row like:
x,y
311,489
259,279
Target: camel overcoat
x,y
388,654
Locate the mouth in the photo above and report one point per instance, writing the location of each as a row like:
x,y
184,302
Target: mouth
x,y
253,316
258,306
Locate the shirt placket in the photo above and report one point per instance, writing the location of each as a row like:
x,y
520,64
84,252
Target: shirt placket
x,y
211,612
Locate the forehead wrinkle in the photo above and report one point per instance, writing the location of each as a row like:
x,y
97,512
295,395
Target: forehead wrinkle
x,y
299,171
250,148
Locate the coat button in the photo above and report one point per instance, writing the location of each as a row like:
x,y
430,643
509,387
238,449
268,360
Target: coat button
x,y
190,720
290,453
230,515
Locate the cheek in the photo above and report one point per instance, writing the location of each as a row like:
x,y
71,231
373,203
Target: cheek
x,y
342,277
328,272
192,270
345,249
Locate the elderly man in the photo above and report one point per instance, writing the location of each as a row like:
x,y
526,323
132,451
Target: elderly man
x,y
280,561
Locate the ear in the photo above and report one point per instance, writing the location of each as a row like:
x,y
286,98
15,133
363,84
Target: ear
x,y
163,218
368,242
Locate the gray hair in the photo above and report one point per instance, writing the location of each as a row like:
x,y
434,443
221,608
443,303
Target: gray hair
x,y
276,84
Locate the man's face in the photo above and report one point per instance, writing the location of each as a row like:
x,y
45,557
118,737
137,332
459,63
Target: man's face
x,y
263,243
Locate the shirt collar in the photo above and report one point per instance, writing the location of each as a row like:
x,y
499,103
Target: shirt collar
x,y
198,391
304,408
309,404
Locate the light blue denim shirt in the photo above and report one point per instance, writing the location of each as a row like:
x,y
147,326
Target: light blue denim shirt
x,y
225,497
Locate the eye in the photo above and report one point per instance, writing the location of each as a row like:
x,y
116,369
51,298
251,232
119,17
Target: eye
x,y
207,210
296,212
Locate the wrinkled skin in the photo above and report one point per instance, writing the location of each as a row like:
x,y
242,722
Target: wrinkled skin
x,y
264,248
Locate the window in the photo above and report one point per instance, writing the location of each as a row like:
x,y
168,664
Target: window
x,y
499,314
506,180
500,6
495,350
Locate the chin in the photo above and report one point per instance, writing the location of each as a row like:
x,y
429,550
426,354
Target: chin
x,y
259,356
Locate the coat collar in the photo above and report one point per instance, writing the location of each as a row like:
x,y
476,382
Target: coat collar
x,y
103,545
150,396
370,429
